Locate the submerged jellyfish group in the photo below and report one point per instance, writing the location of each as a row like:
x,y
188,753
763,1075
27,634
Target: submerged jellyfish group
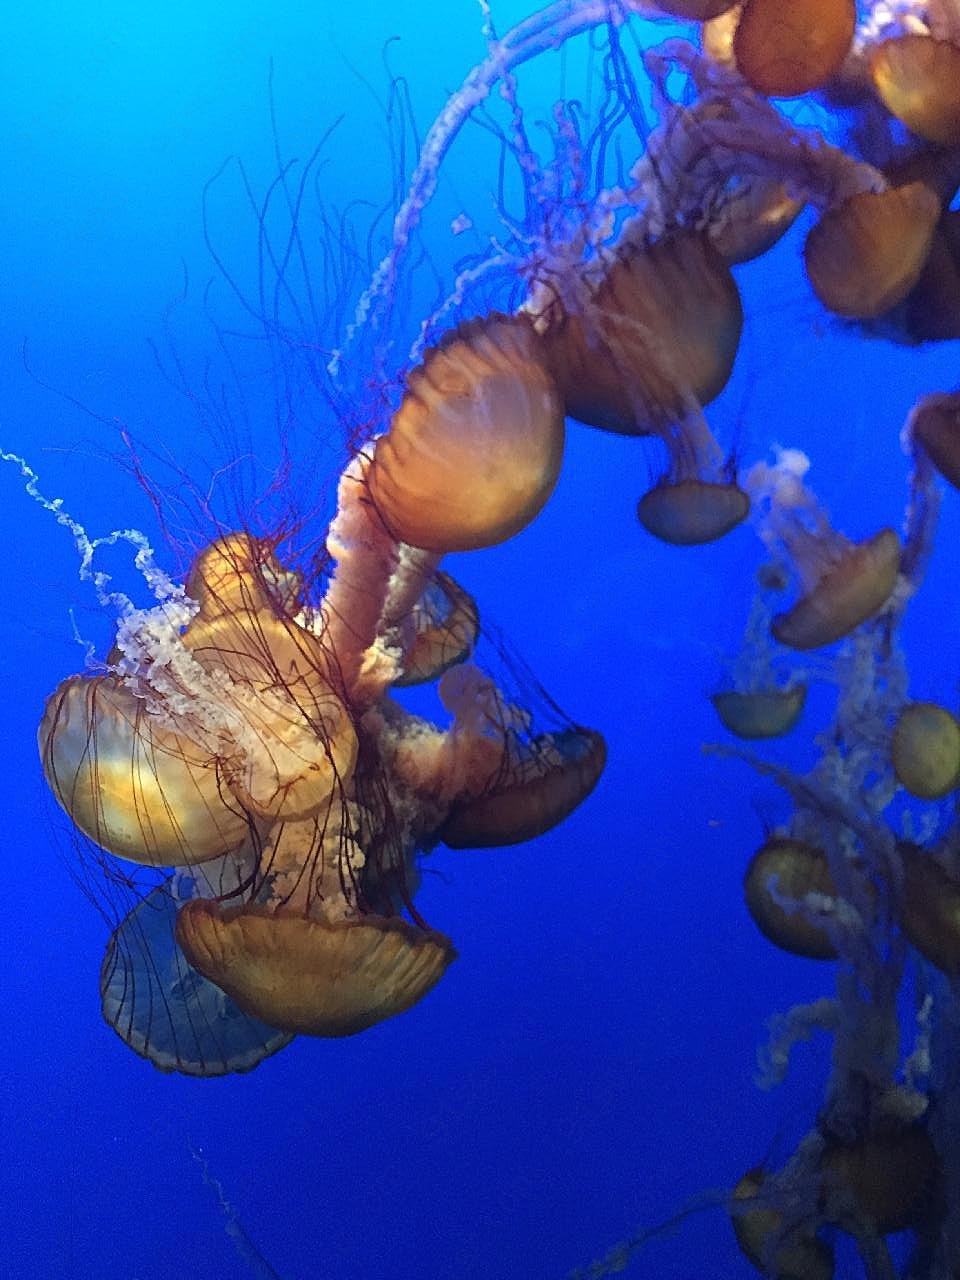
x,y
248,738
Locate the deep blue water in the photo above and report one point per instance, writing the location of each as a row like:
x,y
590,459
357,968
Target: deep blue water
x,y
587,1064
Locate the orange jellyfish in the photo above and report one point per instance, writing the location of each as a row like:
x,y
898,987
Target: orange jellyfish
x,y
842,583
934,425
247,744
637,343
865,254
917,78
787,50
474,450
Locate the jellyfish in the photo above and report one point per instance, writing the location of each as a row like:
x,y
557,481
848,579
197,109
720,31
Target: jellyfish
x,y
637,345
925,750
766,693
786,54
246,750
474,450
842,583
247,745
916,76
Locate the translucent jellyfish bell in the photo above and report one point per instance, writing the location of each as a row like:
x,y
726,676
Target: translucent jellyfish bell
x,y
165,1010
130,781
444,624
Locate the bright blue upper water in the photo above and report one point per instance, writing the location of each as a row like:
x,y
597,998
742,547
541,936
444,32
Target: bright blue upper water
x,y
587,1064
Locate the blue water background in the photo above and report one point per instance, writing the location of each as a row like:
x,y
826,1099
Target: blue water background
x,y
587,1064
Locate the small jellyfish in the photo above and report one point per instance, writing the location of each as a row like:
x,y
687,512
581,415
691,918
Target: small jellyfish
x,y
539,785
925,750
474,450
760,713
765,212
780,878
765,700
444,626
843,583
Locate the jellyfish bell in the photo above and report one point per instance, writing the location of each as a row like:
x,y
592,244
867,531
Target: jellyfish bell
x,y
930,908
474,450
784,868
852,589
445,625
761,1233
925,750
785,51
311,977
655,326
887,1178
296,734
865,255
165,1010
760,713
690,512
131,782
843,583
530,793
934,424
238,572
763,211
917,78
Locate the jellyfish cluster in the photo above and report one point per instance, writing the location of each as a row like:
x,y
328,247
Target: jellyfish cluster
x,y
247,744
